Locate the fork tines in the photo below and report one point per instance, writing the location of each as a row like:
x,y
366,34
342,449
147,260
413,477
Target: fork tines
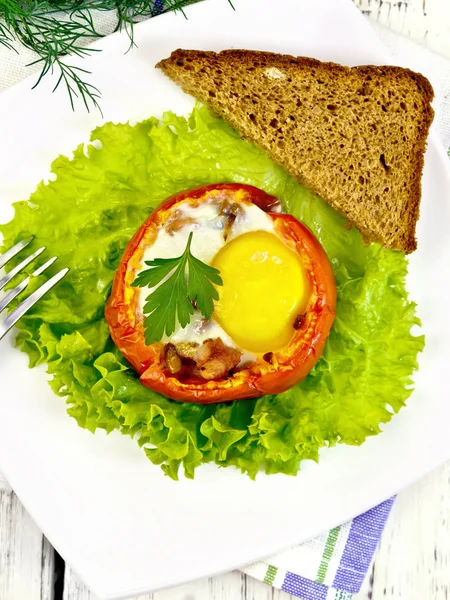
x,y
20,310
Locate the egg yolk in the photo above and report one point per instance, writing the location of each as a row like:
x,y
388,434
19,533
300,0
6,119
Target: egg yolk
x,y
264,289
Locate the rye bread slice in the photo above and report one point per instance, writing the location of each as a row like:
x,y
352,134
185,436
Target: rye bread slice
x,y
355,136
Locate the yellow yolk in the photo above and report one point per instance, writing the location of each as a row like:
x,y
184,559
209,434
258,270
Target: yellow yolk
x,y
264,289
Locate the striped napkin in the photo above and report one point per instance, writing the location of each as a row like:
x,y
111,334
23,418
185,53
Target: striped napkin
x,y
331,566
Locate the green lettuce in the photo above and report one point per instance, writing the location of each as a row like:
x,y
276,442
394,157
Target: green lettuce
x,y
86,217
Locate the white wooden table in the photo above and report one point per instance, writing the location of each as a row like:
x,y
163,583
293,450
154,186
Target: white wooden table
x,y
413,559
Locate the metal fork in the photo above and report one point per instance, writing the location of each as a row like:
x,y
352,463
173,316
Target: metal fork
x,y
20,310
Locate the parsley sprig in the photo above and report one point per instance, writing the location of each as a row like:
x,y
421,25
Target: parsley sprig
x,y
178,283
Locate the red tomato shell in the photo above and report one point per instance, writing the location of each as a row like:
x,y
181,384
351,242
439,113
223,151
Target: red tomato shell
x,y
286,367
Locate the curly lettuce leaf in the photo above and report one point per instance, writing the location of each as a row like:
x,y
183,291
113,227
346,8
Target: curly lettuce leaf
x,y
86,217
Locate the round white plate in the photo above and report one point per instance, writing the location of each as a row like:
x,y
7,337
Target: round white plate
x,y
123,526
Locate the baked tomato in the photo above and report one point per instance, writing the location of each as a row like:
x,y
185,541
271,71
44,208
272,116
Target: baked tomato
x,y
274,309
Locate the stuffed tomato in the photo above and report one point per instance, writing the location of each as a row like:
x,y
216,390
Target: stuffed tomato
x,y
244,300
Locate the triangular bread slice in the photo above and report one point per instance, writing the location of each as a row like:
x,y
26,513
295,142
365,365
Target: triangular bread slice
x,y
355,136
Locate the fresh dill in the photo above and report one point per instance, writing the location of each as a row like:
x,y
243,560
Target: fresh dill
x,y
58,29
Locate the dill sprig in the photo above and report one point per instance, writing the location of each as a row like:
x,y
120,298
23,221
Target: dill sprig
x,y
58,29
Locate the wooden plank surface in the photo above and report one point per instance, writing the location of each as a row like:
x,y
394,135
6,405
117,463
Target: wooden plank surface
x,y
412,562
26,557
425,21
230,586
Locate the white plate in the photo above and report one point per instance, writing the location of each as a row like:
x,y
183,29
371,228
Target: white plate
x,y
123,526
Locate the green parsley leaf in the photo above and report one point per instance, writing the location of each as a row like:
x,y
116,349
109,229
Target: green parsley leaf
x,y
178,283
200,287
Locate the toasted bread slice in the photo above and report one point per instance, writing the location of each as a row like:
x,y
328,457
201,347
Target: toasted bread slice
x,y
355,136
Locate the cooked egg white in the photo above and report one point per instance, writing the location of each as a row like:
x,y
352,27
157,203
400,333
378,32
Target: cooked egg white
x,y
208,238
207,231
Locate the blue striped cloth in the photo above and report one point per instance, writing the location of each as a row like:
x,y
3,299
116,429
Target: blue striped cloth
x,y
333,565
